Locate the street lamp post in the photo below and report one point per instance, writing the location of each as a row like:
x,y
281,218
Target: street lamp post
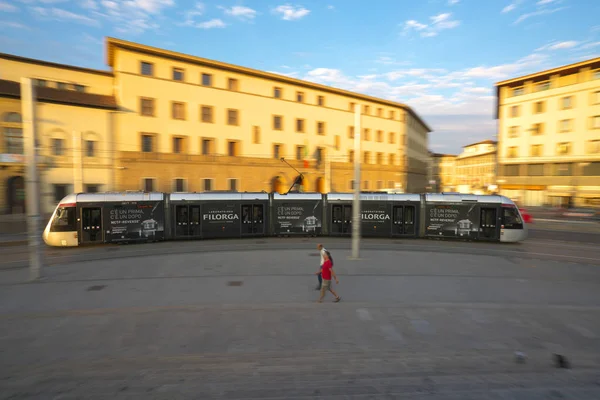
x,y
356,203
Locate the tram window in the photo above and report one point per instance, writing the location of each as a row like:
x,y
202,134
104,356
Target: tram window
x,y
64,220
409,215
246,211
511,219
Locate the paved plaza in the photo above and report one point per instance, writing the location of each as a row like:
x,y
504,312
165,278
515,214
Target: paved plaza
x,y
244,324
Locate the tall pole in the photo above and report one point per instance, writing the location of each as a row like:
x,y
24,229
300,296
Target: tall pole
x,y
77,163
32,179
356,203
328,170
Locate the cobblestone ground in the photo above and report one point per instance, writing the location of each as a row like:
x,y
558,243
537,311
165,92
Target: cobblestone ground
x,y
245,325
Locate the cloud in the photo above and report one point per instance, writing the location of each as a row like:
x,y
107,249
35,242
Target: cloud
x,y
537,13
213,23
59,14
13,24
131,16
569,44
6,7
589,45
509,8
544,2
290,13
240,12
88,4
439,22
330,7
190,15
452,2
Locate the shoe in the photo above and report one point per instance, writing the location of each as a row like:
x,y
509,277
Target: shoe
x,y
337,300
318,288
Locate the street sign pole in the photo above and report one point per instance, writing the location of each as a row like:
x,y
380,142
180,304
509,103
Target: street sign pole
x,y
356,202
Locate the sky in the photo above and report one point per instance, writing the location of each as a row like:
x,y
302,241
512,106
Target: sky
x,y
440,57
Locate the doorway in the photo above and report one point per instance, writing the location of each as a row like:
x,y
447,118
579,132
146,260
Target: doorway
x,y
91,225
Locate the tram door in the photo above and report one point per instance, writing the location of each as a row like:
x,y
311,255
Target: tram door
x,y
341,219
187,221
403,220
488,223
91,225
253,219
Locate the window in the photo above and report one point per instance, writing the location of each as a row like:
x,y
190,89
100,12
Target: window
x,y
538,107
42,83
379,158
366,110
596,97
392,114
60,192
92,188
277,92
177,110
276,151
351,185
61,85
351,132
206,80
596,74
392,159
518,91
232,117
337,142
591,169
147,143
79,88
57,147
321,101
207,114
177,145
391,184
300,97
207,184
537,129
392,137
179,185
514,111
147,106
380,112
256,134
366,157
320,128
147,68
596,122
379,185
351,106
562,169
379,136
536,150
511,218
299,125
593,146
90,148
277,122
207,146
542,86
232,184
366,185
149,184
563,148
13,133
566,102
300,152
513,152
565,125
232,148
319,155
535,170
177,74
232,84
513,132
366,134
511,170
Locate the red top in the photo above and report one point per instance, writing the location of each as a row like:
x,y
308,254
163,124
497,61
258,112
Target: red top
x,y
326,273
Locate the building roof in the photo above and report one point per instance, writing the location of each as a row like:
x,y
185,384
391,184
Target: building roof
x,y
112,43
13,57
443,155
544,76
12,89
482,142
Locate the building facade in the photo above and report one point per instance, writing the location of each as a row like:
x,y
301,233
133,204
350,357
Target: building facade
x,y
549,136
475,168
444,172
167,121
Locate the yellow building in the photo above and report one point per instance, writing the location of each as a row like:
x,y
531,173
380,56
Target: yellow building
x,y
549,135
475,168
75,114
444,172
194,124
165,121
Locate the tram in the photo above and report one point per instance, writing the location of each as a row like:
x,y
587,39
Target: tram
x,y
129,217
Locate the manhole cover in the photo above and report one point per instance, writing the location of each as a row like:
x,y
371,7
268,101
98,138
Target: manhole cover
x,y
96,288
234,283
